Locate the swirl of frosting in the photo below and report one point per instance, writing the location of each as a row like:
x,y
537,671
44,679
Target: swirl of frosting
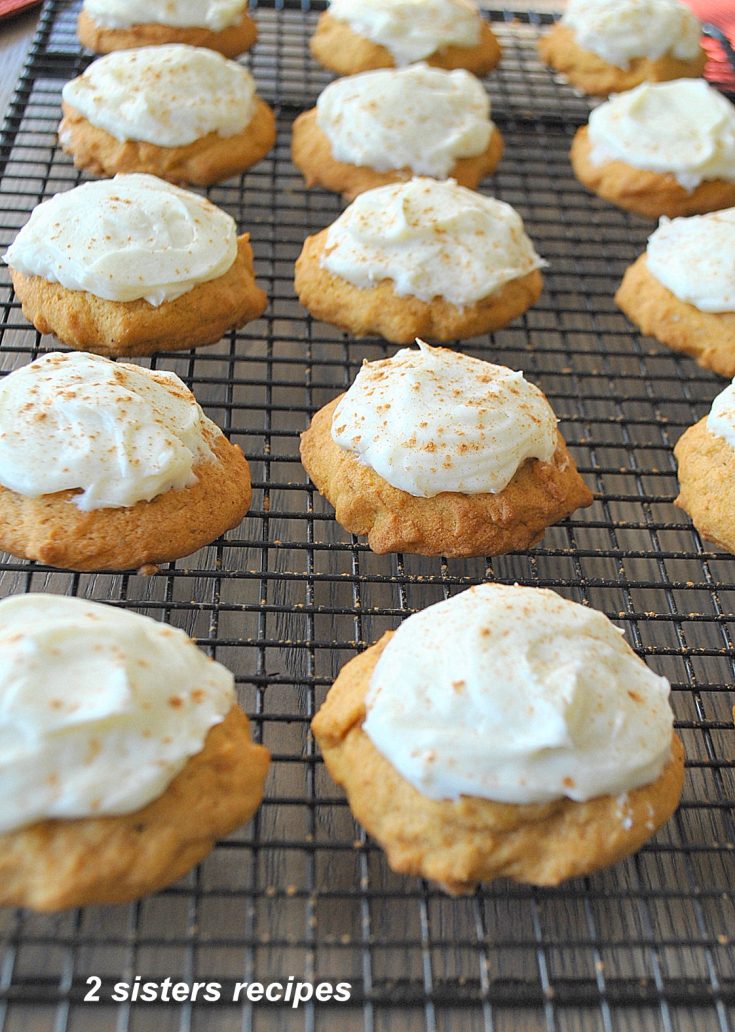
x,y
433,420
178,14
411,30
694,258
126,238
685,127
417,117
117,434
170,95
620,30
721,417
517,695
99,708
432,239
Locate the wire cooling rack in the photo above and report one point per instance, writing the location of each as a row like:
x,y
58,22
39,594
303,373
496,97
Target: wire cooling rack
x,y
288,597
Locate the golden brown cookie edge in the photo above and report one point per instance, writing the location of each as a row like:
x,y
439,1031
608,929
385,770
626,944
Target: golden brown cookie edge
x,y
133,328
52,530
402,318
590,73
311,152
55,864
201,163
459,844
340,49
458,525
230,41
709,337
706,471
650,194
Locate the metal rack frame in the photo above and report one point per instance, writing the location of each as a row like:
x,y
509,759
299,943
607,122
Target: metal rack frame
x,y
288,597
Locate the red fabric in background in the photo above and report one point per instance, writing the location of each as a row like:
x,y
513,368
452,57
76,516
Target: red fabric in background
x,y
720,13
8,7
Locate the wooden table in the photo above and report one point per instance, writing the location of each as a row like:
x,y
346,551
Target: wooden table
x,y
15,38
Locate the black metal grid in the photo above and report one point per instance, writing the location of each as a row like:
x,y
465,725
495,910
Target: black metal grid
x,y
288,597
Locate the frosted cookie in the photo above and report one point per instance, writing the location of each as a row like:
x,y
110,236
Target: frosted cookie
x,y
505,732
133,265
706,457
222,25
420,259
125,755
183,113
665,149
106,466
352,36
682,290
438,453
608,46
387,126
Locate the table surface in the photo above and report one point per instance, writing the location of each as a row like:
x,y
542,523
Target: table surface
x,y
15,38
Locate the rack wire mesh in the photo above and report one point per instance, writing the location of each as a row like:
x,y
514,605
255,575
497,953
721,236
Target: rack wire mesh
x,y
288,597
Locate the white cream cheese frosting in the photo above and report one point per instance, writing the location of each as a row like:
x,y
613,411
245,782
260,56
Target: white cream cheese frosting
x,y
126,238
411,30
432,239
99,708
430,420
721,418
178,14
684,127
517,695
694,258
170,95
418,117
118,434
620,30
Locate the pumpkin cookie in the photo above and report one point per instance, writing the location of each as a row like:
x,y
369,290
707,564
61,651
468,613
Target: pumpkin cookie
x,y
353,37
666,149
386,126
420,259
126,756
106,466
438,453
221,25
609,46
706,457
183,113
131,266
682,290
505,732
